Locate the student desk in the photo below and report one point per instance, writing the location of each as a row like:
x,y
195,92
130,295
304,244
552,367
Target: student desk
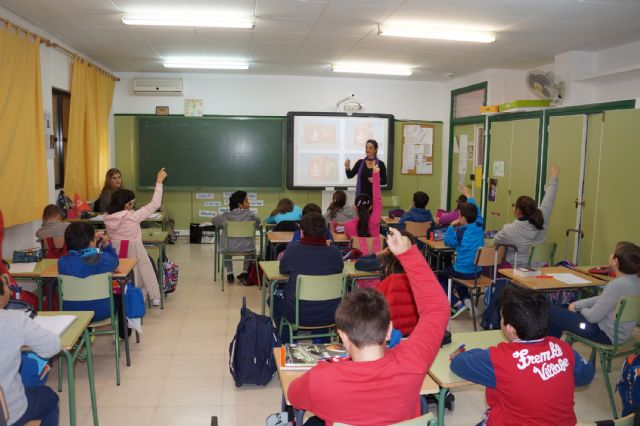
x,y
120,275
442,374
585,270
156,220
72,341
434,250
36,275
355,275
156,240
429,386
388,222
547,284
285,237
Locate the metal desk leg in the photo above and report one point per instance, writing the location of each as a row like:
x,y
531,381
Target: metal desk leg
x,y
123,318
40,283
71,385
441,400
92,388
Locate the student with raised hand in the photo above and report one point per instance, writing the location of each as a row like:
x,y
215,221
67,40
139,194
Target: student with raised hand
x,y
17,331
594,318
369,214
343,391
444,218
123,223
285,210
530,379
530,224
338,211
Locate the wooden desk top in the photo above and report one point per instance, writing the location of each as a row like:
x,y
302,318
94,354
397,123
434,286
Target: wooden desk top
x,y
271,269
40,267
390,220
154,236
585,270
535,283
351,271
435,245
279,237
340,237
75,330
124,268
160,218
440,371
429,386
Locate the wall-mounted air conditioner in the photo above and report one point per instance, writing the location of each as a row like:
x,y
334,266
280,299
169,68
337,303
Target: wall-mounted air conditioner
x,y
157,86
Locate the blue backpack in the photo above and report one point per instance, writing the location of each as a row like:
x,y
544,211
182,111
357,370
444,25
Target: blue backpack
x,y
251,357
491,315
629,385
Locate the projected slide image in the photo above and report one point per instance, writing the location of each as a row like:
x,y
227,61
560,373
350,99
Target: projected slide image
x,y
318,135
318,169
360,131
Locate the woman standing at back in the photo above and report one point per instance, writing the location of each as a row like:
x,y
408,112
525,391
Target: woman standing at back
x,y
112,182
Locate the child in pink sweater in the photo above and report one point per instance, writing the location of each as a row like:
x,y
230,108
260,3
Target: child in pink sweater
x,y
369,212
123,223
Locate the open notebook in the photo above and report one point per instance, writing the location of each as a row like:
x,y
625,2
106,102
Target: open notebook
x,y
56,324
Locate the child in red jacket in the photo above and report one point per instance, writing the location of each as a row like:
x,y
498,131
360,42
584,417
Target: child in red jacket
x,y
344,391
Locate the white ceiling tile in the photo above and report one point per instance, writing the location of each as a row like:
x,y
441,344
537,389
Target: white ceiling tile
x,y
307,9
348,11
284,39
283,25
359,29
581,11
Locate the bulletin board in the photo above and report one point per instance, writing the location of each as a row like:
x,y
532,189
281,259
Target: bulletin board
x,y
417,149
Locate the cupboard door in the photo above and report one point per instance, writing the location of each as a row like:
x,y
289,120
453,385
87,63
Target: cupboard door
x,y
498,210
468,131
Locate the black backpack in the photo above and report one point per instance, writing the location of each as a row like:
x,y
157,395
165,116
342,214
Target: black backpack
x,y
491,314
251,357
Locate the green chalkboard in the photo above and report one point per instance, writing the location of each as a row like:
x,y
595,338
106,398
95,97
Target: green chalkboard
x,y
211,152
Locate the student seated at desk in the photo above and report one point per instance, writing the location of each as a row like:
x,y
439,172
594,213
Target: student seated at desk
x,y
52,224
530,379
378,386
285,210
418,211
90,253
238,212
594,318
338,211
369,214
444,218
17,331
309,256
312,208
112,182
123,223
529,226
466,235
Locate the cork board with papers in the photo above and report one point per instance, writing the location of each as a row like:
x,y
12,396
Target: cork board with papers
x,y
417,149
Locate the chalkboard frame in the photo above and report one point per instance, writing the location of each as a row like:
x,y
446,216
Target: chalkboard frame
x,y
210,187
290,136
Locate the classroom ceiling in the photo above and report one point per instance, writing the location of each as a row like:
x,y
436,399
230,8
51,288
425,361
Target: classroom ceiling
x,y
303,37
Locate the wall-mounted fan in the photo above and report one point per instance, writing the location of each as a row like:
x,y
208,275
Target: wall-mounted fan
x,y
544,86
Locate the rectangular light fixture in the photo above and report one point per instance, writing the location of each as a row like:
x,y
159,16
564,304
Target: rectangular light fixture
x,y
369,68
177,20
206,64
437,33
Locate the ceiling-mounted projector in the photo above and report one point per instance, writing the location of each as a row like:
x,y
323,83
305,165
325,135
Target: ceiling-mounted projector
x,y
350,105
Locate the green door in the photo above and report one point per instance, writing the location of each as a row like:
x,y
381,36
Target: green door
x,y
565,144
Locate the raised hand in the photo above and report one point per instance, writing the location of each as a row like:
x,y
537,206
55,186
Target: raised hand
x,y
162,175
376,169
397,242
347,164
555,170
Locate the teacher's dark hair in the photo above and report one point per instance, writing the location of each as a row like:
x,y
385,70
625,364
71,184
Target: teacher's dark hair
x,y
119,199
363,205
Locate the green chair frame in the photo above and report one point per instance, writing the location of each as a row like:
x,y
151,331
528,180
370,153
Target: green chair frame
x,y
623,421
314,288
628,310
238,229
93,287
542,252
424,420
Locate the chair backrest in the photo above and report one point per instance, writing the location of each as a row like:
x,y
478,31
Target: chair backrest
x,y
82,289
424,420
317,288
418,229
370,244
489,256
55,247
240,229
631,311
4,409
542,253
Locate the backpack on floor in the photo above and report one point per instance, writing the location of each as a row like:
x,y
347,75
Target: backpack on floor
x,y
170,276
251,359
629,385
491,315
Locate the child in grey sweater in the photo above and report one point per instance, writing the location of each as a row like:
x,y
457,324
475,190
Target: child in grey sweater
x,y
530,224
594,318
18,330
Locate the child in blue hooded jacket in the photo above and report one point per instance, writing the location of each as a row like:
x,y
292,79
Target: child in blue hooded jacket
x,y
466,235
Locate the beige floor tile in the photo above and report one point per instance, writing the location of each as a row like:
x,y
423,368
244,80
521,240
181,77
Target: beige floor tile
x,y
251,394
133,392
198,366
192,391
186,416
242,416
217,327
123,416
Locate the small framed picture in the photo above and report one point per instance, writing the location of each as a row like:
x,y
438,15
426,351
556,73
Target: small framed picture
x,y
162,110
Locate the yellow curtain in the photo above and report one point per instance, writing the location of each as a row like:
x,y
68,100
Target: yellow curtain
x,y
23,170
87,157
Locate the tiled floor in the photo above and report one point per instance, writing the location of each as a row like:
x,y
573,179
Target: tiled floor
x,y
180,376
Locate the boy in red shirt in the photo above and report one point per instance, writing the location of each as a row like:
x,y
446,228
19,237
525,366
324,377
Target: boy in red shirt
x,y
379,386
531,378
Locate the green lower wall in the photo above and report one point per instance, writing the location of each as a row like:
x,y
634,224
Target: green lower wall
x,y
184,206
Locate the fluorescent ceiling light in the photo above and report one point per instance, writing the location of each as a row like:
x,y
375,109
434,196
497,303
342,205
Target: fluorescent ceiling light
x,y
206,64
427,31
178,20
368,68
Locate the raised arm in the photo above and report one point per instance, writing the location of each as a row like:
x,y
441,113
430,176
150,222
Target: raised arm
x,y
351,172
418,351
550,192
146,211
376,210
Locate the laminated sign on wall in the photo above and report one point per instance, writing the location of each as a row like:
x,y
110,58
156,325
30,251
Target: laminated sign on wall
x,y
417,149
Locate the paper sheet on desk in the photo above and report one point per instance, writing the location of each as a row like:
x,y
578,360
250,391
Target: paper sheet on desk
x,y
56,324
98,218
18,268
154,215
568,278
